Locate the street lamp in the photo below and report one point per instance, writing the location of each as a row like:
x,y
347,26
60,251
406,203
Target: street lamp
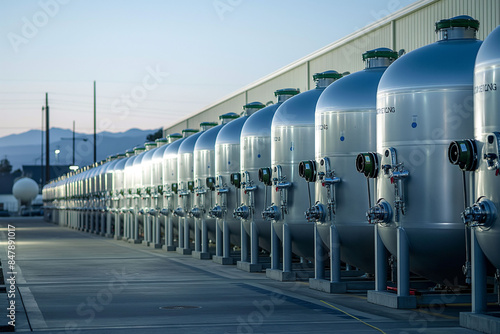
x,y
57,151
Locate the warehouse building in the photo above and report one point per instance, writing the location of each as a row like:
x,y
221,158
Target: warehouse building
x,y
407,29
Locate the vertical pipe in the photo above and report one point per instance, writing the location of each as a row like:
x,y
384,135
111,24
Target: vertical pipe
x,y
380,262
403,263
287,248
334,254
254,243
108,223
181,232
186,233
135,236
157,230
478,276
244,243
169,231
197,241
319,267
204,235
218,238
225,236
275,254
117,225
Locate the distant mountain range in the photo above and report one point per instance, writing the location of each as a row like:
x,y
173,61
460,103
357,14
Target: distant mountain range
x,y
25,149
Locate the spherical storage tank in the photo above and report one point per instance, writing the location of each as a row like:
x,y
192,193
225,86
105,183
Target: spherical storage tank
x,y
25,189
292,136
483,215
424,101
255,153
345,125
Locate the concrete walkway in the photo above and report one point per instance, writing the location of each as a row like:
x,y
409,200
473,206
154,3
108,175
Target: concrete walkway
x,y
73,282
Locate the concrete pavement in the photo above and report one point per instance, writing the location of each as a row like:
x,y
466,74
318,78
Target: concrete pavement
x,y
73,282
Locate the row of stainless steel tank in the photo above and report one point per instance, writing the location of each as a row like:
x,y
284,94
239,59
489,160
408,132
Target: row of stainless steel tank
x,y
237,185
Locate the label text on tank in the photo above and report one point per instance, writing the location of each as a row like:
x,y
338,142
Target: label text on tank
x,y
386,110
485,88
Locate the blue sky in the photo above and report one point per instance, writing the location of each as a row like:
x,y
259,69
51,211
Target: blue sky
x,y
154,61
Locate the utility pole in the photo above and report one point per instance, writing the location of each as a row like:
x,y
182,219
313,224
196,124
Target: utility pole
x,y
73,144
42,181
47,136
74,139
95,144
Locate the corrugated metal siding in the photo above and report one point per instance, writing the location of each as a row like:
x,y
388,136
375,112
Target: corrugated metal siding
x,y
417,29
409,31
296,78
348,56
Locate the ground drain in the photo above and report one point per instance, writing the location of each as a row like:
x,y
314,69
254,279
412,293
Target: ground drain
x,y
178,307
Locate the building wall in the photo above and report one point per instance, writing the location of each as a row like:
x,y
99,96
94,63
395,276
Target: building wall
x,y
408,29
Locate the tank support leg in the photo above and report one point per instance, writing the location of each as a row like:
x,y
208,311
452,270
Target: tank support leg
x,y
254,243
169,231
186,233
95,227
319,264
157,239
287,249
136,227
129,227
275,253
225,236
244,243
125,225
334,254
204,236
197,242
108,223
181,232
380,263
478,276
150,227
103,223
147,230
117,225
218,239
403,263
